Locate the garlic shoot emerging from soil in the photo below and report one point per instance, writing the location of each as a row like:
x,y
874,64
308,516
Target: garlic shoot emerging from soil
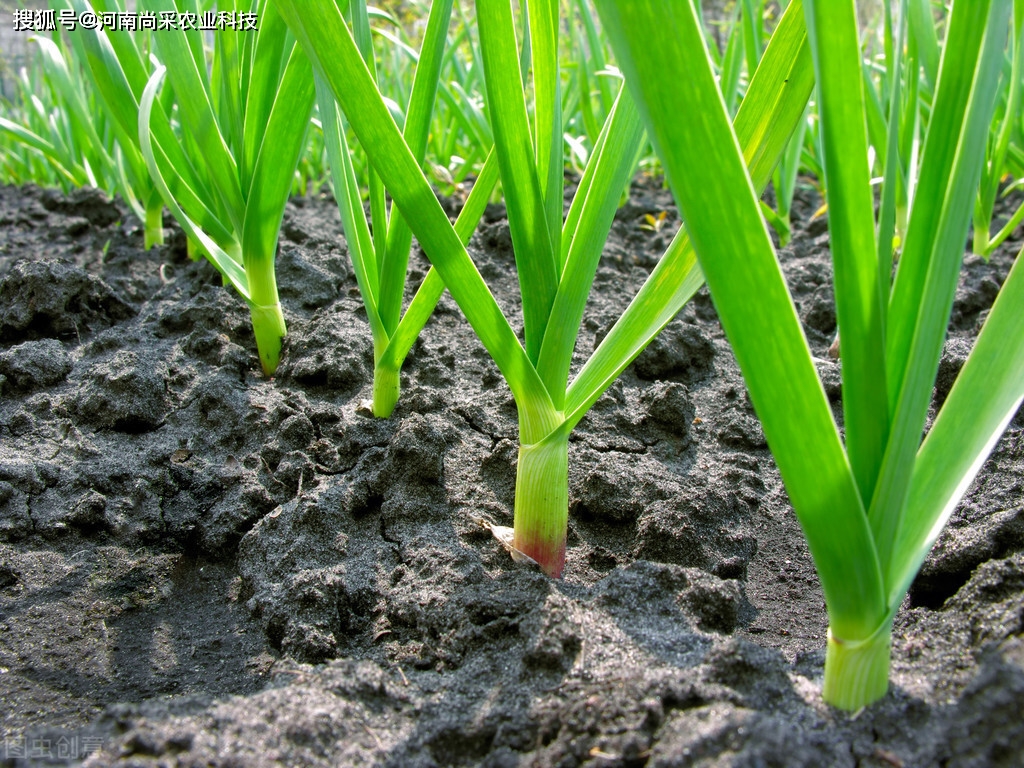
x,y
556,260
380,253
228,182
871,501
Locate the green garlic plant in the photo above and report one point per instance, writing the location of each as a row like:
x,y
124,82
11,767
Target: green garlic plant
x,y
244,123
221,144
66,138
1005,148
873,500
556,259
380,253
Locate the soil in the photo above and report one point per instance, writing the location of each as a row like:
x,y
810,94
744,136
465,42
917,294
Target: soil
x,y
200,566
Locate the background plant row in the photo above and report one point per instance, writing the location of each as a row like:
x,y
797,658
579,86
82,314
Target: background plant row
x,y
737,30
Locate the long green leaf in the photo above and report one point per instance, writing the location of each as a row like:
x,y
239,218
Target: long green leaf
x,y
73,98
363,37
60,160
926,279
767,117
660,41
225,262
893,172
547,111
350,207
191,87
283,141
230,91
117,72
415,131
429,292
320,28
985,396
861,287
262,90
608,171
524,199
922,26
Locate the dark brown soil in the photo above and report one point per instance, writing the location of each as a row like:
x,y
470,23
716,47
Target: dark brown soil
x,y
202,567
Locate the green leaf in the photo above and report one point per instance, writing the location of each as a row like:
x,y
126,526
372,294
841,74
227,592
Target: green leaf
x,y
196,110
46,148
225,262
766,119
861,286
117,72
925,37
986,394
893,172
524,199
350,207
659,41
284,138
427,295
609,170
547,111
321,30
416,131
922,296
262,89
